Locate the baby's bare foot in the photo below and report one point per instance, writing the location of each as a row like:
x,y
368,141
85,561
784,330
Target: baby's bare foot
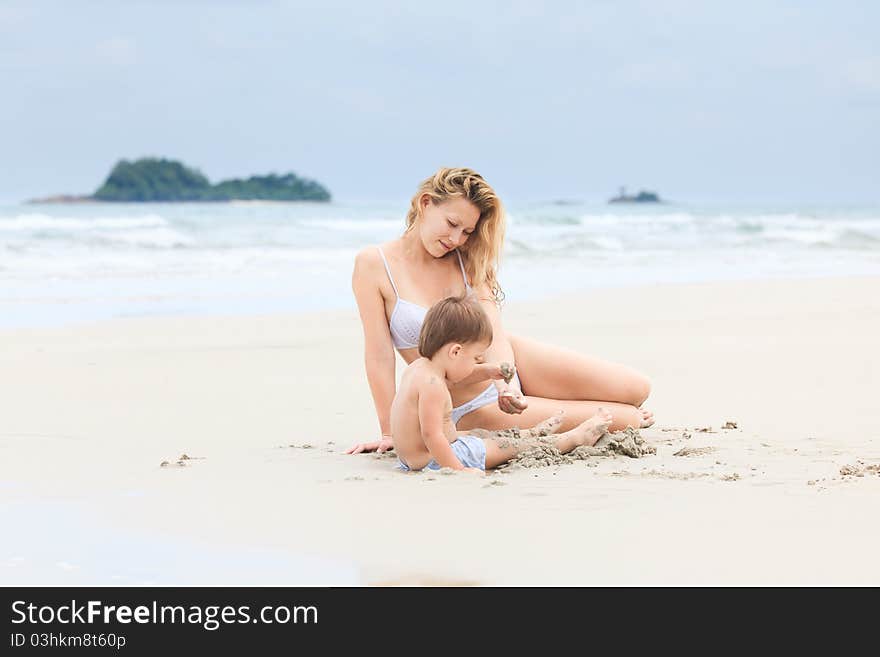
x,y
647,418
588,432
548,426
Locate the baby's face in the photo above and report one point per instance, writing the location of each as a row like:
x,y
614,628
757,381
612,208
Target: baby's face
x,y
471,354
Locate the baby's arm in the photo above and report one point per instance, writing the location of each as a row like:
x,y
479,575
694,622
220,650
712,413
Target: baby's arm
x,y
486,372
433,397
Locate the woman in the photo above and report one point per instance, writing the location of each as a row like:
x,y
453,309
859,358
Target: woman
x,y
452,243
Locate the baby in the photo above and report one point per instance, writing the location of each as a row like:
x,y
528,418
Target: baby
x,y
455,336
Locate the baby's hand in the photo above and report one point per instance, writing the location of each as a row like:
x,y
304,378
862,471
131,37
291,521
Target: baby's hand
x,y
501,371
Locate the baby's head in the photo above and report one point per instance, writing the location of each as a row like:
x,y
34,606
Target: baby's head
x,y
457,331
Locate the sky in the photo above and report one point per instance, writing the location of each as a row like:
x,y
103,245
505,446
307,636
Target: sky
x,y
700,101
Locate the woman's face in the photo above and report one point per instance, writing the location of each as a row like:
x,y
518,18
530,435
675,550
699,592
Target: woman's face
x,y
447,225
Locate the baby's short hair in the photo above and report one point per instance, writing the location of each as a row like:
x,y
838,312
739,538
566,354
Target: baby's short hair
x,y
454,319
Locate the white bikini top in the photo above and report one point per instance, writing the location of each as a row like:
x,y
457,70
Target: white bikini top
x,y
407,317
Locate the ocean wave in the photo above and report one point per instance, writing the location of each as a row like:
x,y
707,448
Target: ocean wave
x,y
568,245
859,239
738,222
804,236
517,247
543,220
196,240
825,237
85,260
796,221
43,222
149,231
155,238
355,225
648,219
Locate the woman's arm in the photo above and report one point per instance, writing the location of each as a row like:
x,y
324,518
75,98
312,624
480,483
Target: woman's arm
x,y
500,350
510,397
379,356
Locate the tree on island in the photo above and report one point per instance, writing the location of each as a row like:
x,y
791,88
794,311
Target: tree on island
x,y
158,179
271,187
153,179
642,197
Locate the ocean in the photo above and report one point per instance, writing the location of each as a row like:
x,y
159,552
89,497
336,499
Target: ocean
x,y
64,264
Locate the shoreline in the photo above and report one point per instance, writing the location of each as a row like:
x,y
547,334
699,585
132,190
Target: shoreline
x,y
266,405
258,308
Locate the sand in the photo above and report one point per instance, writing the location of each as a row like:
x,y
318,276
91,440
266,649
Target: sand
x,y
544,453
264,407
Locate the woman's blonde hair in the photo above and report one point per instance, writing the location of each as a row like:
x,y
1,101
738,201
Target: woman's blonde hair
x,y
482,251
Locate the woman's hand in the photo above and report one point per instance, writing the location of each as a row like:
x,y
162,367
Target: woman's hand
x,y
378,446
510,398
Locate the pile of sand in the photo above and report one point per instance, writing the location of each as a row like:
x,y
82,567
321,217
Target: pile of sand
x,y
627,443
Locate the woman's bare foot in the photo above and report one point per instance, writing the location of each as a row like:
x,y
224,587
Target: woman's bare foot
x,y
548,426
647,418
589,431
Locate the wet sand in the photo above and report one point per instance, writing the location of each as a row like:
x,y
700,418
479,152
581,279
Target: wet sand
x,y
263,408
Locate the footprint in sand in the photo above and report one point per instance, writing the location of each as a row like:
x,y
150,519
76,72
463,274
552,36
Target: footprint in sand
x,y
181,461
662,474
695,451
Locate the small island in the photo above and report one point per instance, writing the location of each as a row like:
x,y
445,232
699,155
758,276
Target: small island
x,y
642,197
150,180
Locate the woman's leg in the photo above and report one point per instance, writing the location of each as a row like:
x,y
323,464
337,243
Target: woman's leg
x,y
500,449
491,417
557,373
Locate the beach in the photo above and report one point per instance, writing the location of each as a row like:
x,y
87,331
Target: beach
x,y
263,407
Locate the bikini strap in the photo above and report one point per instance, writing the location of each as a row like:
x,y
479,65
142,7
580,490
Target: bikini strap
x,y
388,269
463,274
